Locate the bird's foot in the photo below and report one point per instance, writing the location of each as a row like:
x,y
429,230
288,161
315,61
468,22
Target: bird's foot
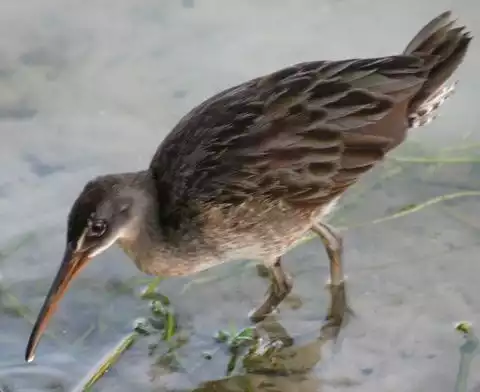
x,y
339,311
275,295
428,111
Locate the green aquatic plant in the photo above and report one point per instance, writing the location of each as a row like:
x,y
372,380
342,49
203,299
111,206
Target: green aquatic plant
x,y
162,319
236,341
464,326
468,351
109,360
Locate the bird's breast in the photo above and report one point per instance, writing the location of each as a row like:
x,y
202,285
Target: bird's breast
x,y
250,231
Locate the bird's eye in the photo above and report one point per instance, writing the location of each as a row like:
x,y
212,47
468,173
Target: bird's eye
x,y
97,228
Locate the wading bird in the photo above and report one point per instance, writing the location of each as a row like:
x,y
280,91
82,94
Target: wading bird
x,y
251,170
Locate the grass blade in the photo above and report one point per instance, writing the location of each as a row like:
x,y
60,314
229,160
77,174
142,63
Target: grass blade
x,y
106,363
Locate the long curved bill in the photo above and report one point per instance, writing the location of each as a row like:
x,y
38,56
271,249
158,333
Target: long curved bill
x,y
71,265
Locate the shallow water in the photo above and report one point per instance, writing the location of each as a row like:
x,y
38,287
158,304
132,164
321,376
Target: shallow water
x,y
89,88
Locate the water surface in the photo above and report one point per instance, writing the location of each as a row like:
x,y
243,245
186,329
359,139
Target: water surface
x,y
88,88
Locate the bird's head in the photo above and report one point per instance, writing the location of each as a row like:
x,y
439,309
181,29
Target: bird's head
x,y
105,211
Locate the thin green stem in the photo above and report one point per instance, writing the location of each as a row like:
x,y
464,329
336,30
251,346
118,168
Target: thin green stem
x,y
400,214
106,363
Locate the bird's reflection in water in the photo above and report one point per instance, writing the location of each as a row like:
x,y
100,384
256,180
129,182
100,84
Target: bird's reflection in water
x,y
278,363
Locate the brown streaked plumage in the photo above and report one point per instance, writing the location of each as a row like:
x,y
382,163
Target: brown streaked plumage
x,y
249,171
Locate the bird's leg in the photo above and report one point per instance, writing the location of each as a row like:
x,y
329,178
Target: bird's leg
x,y
334,245
280,287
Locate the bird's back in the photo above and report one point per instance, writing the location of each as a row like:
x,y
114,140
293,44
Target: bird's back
x,y
303,134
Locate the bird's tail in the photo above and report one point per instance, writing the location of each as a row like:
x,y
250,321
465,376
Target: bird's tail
x,y
445,46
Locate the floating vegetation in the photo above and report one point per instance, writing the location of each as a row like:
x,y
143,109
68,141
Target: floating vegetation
x,y
468,351
420,206
162,319
463,147
448,160
108,361
403,211
236,341
464,326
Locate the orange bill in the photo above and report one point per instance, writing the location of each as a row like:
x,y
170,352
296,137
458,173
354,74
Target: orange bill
x,y
71,265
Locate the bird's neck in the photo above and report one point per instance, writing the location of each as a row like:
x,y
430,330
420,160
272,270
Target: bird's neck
x,y
155,238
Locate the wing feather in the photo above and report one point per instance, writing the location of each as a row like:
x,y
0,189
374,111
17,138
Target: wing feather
x,y
302,134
